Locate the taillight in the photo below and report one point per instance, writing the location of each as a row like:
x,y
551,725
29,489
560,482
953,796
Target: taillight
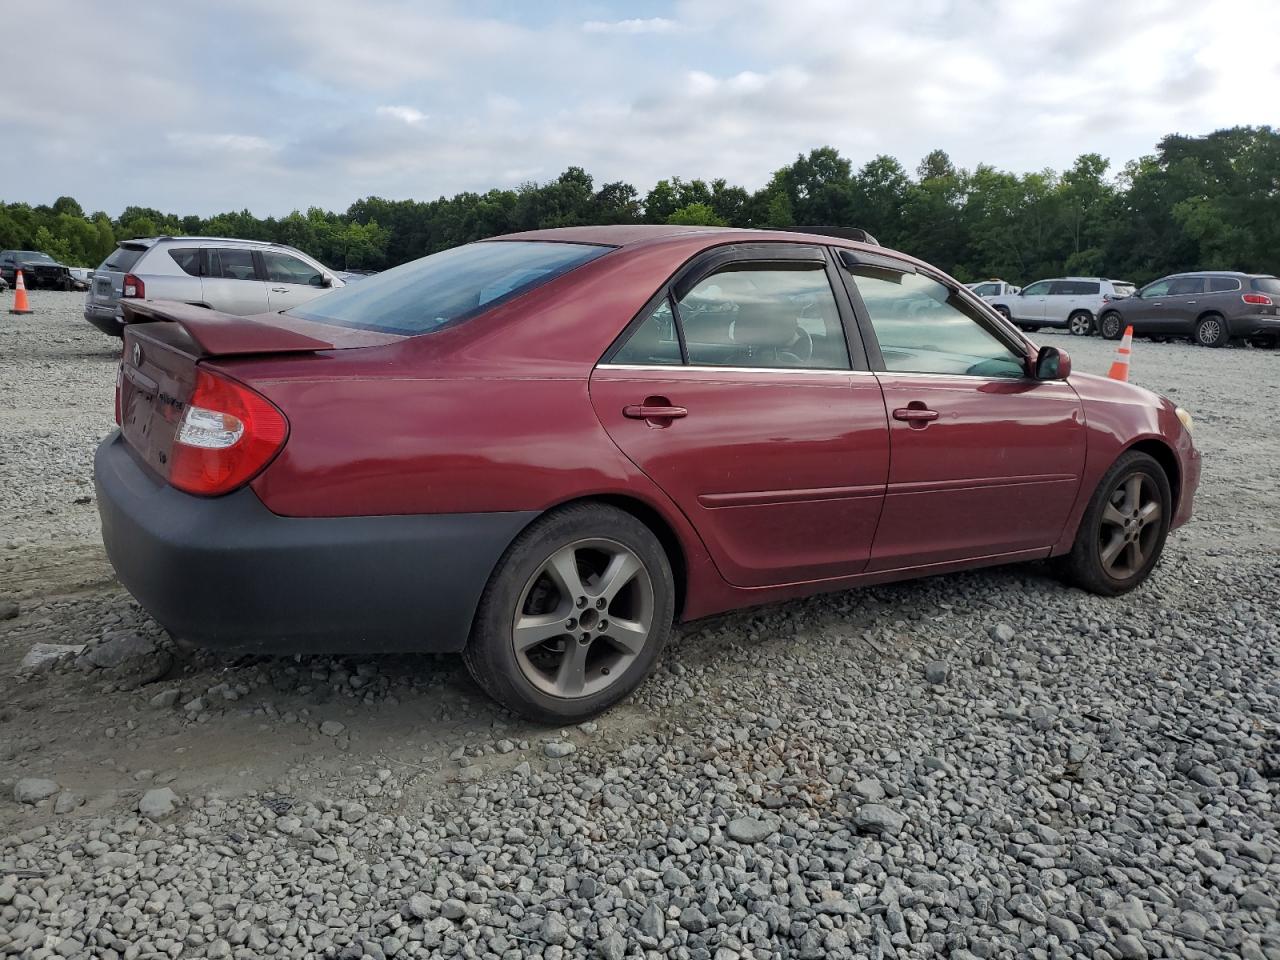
x,y
1259,299
133,287
119,387
227,435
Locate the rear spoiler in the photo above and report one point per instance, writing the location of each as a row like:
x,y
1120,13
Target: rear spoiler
x,y
220,334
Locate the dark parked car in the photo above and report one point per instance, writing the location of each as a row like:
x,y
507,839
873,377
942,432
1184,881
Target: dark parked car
x,y
38,269
1211,308
540,450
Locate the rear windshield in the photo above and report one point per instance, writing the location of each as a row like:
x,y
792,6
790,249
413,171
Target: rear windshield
x,y
122,259
1266,284
1122,289
446,287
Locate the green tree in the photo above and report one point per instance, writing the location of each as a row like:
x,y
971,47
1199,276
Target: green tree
x,y
697,214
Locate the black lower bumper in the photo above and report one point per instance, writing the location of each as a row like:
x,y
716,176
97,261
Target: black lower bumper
x,y
227,572
106,319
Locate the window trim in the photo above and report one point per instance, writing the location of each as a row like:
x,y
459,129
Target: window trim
x,y
981,313
708,262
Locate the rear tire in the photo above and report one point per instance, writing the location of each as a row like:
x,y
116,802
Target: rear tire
x,y
1123,532
1211,331
1111,326
1080,323
574,615
1003,311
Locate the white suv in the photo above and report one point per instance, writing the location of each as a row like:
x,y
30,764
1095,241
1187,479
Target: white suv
x,y
1073,303
234,276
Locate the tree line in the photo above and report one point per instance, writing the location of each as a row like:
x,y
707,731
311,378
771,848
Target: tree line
x,y
1197,202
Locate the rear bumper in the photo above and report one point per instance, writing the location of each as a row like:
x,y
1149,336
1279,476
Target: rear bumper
x,y
105,318
227,572
1255,325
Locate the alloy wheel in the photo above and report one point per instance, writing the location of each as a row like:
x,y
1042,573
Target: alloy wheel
x,y
1111,326
1130,526
1081,324
1209,331
582,618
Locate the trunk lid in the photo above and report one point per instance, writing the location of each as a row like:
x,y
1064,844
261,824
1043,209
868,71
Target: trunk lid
x,y
164,342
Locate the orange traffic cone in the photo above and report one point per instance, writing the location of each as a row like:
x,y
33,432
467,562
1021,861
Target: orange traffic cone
x,y
1120,365
20,304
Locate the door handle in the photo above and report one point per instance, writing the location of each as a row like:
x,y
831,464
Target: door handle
x,y
915,414
1190,301
653,411
279,289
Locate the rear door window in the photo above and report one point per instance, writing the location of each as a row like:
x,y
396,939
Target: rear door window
x,y
1038,289
283,268
1223,284
757,315
655,341
230,263
188,258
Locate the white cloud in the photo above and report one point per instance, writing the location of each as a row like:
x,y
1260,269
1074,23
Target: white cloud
x,y
229,143
410,115
631,27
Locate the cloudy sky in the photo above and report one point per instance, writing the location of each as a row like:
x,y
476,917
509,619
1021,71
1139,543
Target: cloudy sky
x,y
282,104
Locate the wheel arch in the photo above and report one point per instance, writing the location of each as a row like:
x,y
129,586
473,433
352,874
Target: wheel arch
x,y
1163,454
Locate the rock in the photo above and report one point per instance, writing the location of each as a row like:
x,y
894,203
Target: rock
x,y
420,907
693,919
331,728
1131,947
653,922
612,946
748,830
870,790
879,820
165,698
1210,858
118,650
1063,929
34,789
1205,777
158,803
453,909
44,654
354,812
937,671
554,930
987,658
66,802
558,749
1003,633
9,609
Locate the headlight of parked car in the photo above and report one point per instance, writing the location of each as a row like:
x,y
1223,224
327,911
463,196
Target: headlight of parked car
x,y
1185,418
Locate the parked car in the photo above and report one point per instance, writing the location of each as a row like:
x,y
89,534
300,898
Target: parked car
x,y
990,289
239,277
1210,308
539,450
38,269
80,277
4,284
349,275
1071,302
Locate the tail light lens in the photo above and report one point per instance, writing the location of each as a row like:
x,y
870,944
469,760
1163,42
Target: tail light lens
x,y
119,387
227,435
1258,299
133,287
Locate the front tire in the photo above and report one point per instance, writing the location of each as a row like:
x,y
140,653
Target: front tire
x,y
1080,323
574,616
1122,533
1111,326
1211,331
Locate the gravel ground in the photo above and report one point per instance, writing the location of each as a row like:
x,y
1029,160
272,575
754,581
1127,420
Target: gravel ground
x,y
985,765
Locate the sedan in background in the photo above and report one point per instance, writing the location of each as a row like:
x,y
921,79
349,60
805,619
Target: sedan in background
x,y
541,450
1210,308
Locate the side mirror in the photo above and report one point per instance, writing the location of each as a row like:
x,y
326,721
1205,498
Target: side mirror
x,y
1052,364
326,280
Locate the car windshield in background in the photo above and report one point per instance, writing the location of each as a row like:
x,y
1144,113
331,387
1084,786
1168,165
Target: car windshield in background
x,y
32,255
122,259
1266,285
1123,289
446,287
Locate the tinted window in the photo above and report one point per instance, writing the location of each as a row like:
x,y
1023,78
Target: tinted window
x,y
1038,289
1073,288
1122,289
283,268
424,295
1223,284
987,289
923,328
1182,286
654,341
1158,289
122,259
232,264
1266,284
188,258
757,316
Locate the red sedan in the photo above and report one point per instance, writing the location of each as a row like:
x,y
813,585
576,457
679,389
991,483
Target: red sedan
x,y
541,450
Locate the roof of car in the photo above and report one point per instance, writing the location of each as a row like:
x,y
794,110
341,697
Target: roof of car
x,y
152,241
633,234
1217,273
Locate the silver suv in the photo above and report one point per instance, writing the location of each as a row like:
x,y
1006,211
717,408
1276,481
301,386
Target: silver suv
x,y
234,276
1071,302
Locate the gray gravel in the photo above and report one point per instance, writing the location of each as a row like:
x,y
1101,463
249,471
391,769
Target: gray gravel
x,y
986,765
